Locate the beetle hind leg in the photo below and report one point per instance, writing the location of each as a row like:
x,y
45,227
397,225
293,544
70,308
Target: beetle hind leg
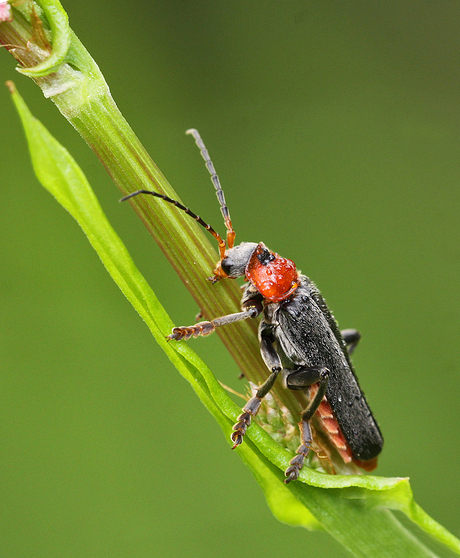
x,y
351,338
297,462
303,378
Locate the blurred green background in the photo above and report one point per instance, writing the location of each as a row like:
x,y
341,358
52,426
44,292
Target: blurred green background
x,y
334,128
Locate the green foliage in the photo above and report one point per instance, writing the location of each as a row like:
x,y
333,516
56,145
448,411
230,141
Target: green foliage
x,y
59,24
353,509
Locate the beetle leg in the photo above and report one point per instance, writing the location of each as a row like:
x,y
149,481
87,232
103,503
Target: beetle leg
x,y
302,378
206,328
297,462
351,338
273,362
252,408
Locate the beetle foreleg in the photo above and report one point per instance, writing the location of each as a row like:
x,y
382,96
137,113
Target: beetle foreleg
x,y
303,378
206,328
351,338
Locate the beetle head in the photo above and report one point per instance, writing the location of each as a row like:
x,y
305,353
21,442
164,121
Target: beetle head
x,y
235,260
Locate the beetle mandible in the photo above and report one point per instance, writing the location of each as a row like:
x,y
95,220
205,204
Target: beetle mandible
x,y
299,341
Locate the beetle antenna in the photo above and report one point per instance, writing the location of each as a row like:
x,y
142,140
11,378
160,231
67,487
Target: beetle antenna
x,y
197,218
217,186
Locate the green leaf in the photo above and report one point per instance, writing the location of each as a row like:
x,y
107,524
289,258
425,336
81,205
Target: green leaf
x,y
60,34
356,510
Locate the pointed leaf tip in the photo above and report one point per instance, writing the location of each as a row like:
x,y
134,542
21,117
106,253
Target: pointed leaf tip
x,y
11,86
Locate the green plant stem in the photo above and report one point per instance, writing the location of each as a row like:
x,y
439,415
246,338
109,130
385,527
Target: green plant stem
x,y
81,94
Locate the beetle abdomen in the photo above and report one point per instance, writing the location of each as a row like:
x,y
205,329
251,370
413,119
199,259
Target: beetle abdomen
x,y
330,426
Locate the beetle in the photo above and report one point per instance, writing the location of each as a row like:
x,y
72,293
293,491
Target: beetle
x,y
299,341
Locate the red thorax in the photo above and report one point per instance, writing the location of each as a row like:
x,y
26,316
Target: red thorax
x,y
274,277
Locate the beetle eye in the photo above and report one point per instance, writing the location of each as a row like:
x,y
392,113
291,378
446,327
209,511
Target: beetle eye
x,y
265,257
226,264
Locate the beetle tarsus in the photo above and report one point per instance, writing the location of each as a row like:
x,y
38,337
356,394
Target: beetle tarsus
x,y
244,420
296,463
239,429
201,329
